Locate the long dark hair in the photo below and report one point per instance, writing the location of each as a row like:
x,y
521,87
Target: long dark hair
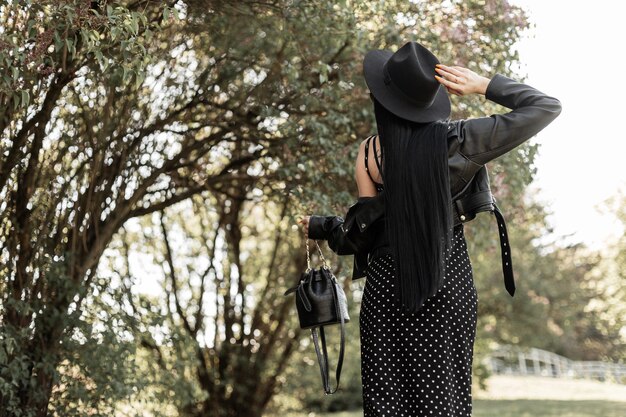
x,y
418,217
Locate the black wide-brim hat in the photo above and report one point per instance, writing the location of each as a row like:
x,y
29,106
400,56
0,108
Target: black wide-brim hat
x,y
404,82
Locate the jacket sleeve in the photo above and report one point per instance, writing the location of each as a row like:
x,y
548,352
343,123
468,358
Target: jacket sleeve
x,y
329,228
483,139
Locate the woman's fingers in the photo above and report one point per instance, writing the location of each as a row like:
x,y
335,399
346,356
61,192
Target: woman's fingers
x,y
448,83
453,91
463,80
304,221
455,84
452,70
458,79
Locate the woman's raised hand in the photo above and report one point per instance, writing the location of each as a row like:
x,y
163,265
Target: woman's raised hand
x,y
460,80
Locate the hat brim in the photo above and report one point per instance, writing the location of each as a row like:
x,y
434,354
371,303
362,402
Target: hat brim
x,y
373,64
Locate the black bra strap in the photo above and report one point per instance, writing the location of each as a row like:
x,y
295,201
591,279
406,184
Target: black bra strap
x,y
367,152
378,164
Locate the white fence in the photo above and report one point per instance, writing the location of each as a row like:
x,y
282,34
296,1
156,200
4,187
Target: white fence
x,y
513,360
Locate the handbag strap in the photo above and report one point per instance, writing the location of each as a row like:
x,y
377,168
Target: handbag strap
x,y
308,256
323,359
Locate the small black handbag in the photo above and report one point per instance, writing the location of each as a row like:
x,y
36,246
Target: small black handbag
x,y
321,301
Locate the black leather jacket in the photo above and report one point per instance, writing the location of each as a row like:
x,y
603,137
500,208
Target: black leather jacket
x,y
471,143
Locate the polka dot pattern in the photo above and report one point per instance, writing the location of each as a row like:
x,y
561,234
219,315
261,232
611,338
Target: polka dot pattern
x,y
419,364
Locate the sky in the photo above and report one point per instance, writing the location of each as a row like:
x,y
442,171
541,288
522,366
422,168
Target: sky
x,y
575,52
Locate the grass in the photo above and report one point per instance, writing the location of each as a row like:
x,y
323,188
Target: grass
x,y
527,408
503,387
548,408
509,396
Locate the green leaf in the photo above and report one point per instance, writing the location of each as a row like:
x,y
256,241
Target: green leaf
x,y
95,36
134,26
100,58
25,98
139,79
84,34
70,46
58,42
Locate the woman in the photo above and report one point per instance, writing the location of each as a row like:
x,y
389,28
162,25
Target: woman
x,y
418,310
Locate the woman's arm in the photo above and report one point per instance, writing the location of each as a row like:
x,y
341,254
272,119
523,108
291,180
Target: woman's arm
x,y
483,139
330,228
350,236
344,240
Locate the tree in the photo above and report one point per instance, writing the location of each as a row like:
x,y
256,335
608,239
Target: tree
x,y
119,110
61,175
567,298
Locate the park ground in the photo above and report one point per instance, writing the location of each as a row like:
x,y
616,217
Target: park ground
x,y
509,396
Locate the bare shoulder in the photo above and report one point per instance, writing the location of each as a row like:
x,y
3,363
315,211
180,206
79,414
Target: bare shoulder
x,y
364,141
362,146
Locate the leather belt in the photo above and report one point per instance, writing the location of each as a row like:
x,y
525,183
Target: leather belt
x,y
465,209
505,252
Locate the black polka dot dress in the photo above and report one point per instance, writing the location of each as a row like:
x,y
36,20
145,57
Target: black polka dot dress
x,y
419,364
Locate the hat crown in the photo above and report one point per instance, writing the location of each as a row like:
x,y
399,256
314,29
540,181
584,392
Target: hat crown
x,y
410,71
404,82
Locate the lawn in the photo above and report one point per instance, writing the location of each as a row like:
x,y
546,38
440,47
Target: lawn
x,y
509,396
529,408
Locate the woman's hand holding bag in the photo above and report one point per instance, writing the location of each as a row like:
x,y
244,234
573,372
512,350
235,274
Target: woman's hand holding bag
x,y
321,301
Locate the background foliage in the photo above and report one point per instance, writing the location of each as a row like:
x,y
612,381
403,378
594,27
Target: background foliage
x,y
153,156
